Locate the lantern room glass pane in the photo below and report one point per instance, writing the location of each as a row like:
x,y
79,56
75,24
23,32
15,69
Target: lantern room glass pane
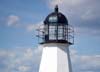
x,y
52,32
60,32
53,19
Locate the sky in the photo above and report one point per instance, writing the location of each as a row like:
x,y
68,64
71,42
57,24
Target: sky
x,y
19,51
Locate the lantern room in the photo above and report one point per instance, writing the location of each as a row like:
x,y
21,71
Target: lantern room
x,y
56,29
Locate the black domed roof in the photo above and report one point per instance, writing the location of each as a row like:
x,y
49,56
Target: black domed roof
x,y
56,17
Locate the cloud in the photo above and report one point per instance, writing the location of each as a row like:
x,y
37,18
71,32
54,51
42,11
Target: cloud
x,y
20,59
87,31
23,68
85,63
28,59
81,14
89,15
12,20
28,53
77,7
90,63
68,2
32,27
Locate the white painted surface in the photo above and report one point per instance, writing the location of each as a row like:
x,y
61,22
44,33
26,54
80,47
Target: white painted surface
x,y
55,58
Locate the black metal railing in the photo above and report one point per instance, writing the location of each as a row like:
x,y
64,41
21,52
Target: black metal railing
x,y
67,34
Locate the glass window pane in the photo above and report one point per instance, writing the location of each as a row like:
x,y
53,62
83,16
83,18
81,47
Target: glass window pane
x,y
60,32
52,32
53,19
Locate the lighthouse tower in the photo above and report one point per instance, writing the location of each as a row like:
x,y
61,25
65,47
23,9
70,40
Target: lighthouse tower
x,y
56,37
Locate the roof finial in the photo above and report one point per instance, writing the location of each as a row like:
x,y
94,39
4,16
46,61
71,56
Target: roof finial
x,y
56,8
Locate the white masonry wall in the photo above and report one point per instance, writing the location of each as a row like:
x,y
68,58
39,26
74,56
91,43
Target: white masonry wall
x,y
55,58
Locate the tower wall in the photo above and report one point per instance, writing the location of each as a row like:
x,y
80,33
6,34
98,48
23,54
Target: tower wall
x,y
55,58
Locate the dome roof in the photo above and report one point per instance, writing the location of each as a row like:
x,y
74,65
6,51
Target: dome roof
x,y
56,17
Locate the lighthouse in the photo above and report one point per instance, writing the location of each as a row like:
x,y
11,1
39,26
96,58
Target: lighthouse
x,y
55,35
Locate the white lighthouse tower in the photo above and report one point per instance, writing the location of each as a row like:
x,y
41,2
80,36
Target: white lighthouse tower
x,y
55,35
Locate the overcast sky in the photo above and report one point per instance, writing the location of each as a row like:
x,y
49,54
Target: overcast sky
x,y
19,51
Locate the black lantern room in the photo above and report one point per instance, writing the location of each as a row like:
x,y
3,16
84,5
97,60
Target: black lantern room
x,y
55,29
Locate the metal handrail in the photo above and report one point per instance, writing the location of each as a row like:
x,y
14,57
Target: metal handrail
x,y
68,34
